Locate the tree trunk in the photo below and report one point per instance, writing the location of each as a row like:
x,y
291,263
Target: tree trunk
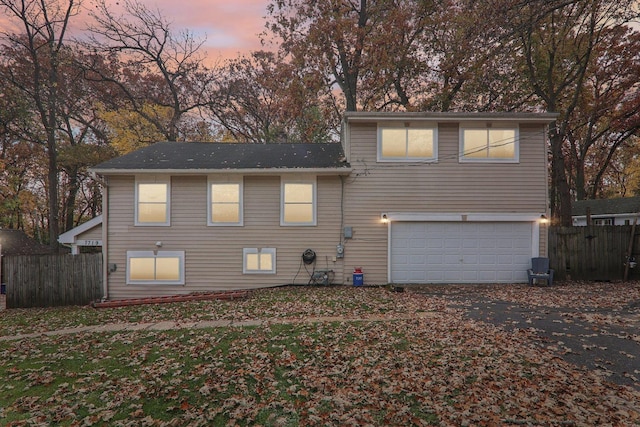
x,y
70,203
54,225
562,212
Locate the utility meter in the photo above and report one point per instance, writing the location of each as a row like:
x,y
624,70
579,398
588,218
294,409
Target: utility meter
x,y
340,251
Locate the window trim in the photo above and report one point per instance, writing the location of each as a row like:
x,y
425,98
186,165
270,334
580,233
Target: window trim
x,y
314,202
487,127
156,255
144,180
211,180
258,251
406,159
604,221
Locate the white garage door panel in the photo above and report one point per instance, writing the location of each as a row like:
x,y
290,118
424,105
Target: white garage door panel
x,y
460,252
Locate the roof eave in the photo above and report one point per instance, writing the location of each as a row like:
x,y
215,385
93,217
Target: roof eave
x,y
247,171
541,118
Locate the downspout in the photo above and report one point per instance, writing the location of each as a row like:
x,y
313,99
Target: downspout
x,y
105,241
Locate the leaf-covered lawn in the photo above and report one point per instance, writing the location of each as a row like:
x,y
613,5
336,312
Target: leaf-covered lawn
x,y
413,362
278,303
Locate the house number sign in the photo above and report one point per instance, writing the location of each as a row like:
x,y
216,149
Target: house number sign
x,y
89,242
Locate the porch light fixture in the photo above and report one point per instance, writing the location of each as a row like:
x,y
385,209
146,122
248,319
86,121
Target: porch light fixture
x,y
384,218
544,219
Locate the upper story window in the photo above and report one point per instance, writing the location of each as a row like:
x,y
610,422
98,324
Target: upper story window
x,y
225,202
493,144
298,202
150,268
152,202
407,144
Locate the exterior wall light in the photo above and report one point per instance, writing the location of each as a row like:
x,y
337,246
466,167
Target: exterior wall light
x,y
384,218
544,219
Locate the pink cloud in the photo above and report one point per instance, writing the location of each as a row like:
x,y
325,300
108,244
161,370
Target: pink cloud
x,y
232,28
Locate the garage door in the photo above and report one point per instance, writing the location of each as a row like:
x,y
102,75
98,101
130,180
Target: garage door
x,y
460,252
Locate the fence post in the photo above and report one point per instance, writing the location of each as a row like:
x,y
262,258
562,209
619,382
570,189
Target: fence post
x,y
630,250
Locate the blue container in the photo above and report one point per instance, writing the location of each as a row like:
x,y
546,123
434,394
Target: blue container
x,y
358,279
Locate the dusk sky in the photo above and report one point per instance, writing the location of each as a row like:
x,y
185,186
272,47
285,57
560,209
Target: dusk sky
x,y
231,27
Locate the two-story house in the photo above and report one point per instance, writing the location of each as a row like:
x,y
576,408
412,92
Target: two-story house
x,y
407,197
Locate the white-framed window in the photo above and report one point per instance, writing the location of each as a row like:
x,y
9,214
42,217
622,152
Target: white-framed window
x,y
406,144
152,202
489,144
225,201
298,202
603,221
259,261
155,267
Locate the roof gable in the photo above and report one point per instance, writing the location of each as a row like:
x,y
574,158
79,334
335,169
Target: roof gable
x,y
203,157
70,236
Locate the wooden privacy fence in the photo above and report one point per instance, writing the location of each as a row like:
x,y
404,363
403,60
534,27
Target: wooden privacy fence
x,y
52,280
593,253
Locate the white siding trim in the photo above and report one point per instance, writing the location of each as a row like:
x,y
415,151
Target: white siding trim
x,y
535,239
471,217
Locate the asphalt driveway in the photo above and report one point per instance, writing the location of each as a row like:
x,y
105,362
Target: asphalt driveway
x,y
602,339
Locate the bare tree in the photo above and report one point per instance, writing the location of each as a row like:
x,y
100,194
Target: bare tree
x,y
263,99
37,48
558,50
158,66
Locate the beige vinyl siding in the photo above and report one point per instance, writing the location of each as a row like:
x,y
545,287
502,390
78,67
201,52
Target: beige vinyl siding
x,y
94,233
446,186
213,255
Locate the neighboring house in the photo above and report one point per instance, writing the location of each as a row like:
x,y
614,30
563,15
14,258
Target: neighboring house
x,y
620,211
16,242
407,197
87,234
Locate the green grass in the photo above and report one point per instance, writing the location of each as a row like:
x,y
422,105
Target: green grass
x,y
288,302
399,371
276,375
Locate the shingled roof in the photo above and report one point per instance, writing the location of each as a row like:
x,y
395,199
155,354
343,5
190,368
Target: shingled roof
x,y
620,205
16,242
203,157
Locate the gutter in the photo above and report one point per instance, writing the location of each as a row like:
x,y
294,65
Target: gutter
x,y
271,171
542,118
